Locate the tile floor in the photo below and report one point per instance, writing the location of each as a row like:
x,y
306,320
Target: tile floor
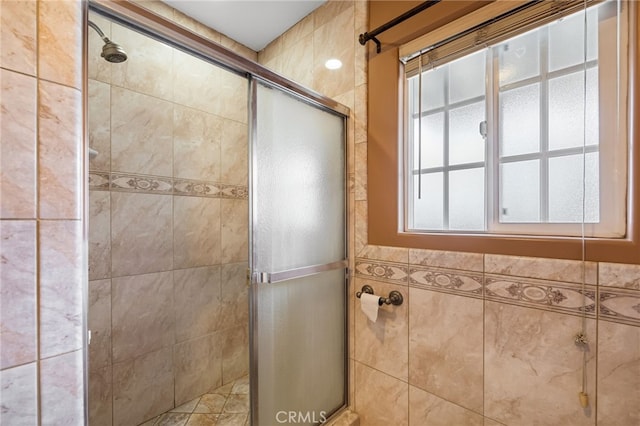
x,y
226,406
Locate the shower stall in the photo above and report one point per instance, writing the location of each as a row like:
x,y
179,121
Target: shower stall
x,y
217,233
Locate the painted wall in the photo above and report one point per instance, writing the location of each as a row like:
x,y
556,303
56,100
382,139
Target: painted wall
x,y
42,269
168,228
480,339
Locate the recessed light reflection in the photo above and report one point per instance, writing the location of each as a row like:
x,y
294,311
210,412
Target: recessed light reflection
x,y
333,64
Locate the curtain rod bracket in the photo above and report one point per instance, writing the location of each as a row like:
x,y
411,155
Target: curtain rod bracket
x,y
364,38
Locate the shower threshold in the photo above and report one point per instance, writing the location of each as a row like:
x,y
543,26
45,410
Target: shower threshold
x,y
227,405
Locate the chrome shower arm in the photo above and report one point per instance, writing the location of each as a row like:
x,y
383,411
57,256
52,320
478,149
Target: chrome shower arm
x,y
99,31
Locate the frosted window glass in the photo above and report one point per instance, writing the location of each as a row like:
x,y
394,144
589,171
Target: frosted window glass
x,y
566,189
428,212
566,40
466,200
432,141
519,58
298,194
433,86
466,77
520,120
466,144
566,110
520,192
300,331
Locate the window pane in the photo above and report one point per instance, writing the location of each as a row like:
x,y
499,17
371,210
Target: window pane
x,y
566,40
432,141
565,188
519,58
566,110
433,88
466,77
466,144
520,120
466,200
428,212
520,192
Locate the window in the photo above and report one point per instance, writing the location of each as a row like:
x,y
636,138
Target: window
x,y
507,137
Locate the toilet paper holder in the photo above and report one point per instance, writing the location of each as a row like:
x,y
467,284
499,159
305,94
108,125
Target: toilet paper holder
x,y
395,297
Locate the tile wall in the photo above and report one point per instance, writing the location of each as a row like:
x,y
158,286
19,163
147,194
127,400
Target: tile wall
x,y
480,339
41,268
168,226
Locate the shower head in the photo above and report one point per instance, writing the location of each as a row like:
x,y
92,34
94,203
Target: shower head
x,y
111,51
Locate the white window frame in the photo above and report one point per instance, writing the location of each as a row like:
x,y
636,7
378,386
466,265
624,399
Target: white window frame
x,y
613,149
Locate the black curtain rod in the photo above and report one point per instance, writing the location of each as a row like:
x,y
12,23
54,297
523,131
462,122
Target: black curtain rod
x,y
364,38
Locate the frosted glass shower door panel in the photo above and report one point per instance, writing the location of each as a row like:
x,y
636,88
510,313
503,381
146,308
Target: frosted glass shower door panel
x,y
299,184
301,341
298,260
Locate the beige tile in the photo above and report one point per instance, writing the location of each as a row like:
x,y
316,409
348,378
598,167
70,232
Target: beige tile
x,y
533,369
202,420
172,419
60,288
234,157
445,346
142,314
188,406
238,48
100,404
241,386
234,217
334,39
19,395
447,259
491,422
235,352
18,146
188,74
61,387
328,11
99,124
360,133
298,63
211,403
234,295
59,38
18,289
374,410
197,302
18,36
141,133
196,231
361,171
141,239
99,322
142,388
197,367
159,8
618,374
619,275
196,144
237,403
231,419
231,97
383,345
387,254
548,269
99,235
59,136
149,66
428,409
301,29
224,389
97,67
361,237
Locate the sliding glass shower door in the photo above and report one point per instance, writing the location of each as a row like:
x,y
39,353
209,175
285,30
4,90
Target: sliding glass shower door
x,y
298,259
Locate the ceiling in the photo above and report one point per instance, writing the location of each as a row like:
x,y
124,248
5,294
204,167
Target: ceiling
x,y
254,23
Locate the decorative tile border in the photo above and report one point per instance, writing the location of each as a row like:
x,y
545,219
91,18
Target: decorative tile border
x,y
446,281
618,305
541,294
381,271
128,182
